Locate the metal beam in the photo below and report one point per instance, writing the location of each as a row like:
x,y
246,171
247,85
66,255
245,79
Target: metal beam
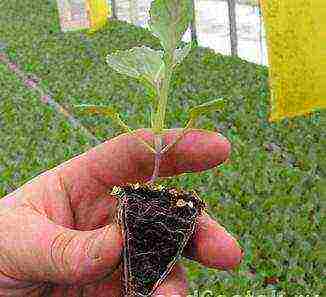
x,y
233,27
114,9
193,26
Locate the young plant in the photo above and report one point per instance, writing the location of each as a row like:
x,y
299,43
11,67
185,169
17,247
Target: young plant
x,y
157,222
169,20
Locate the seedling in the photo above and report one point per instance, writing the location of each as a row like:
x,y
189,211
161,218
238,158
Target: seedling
x,y
157,222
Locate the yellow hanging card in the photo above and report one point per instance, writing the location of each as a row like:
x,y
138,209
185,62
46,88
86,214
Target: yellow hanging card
x,y
296,39
99,13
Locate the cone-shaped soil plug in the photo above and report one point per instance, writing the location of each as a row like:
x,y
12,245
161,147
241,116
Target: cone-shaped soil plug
x,y
157,224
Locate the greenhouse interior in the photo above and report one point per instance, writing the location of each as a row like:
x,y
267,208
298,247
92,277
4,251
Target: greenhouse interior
x,y
159,148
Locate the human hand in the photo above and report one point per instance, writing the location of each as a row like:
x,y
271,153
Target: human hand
x,y
57,232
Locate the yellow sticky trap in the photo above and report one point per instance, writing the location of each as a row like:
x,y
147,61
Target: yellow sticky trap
x,y
296,39
99,13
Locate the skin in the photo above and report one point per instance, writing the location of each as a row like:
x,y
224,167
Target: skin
x,y
58,236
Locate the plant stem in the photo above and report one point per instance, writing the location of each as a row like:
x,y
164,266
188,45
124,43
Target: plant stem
x,y
158,148
180,136
132,132
158,124
163,95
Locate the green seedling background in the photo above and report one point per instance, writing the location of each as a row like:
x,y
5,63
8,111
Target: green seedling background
x,y
271,193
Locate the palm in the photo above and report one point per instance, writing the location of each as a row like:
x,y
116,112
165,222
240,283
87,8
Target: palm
x,y
82,215
90,214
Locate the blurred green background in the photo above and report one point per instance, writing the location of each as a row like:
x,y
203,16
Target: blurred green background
x,y
270,193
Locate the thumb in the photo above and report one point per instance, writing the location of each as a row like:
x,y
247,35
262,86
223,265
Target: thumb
x,y
38,250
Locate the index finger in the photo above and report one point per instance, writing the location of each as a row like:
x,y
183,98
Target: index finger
x,y
124,160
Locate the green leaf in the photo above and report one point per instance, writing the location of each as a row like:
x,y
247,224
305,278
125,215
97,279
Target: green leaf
x,y
169,21
150,90
142,63
210,106
181,53
99,110
110,111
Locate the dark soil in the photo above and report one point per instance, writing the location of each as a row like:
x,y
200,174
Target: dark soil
x,y
157,223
